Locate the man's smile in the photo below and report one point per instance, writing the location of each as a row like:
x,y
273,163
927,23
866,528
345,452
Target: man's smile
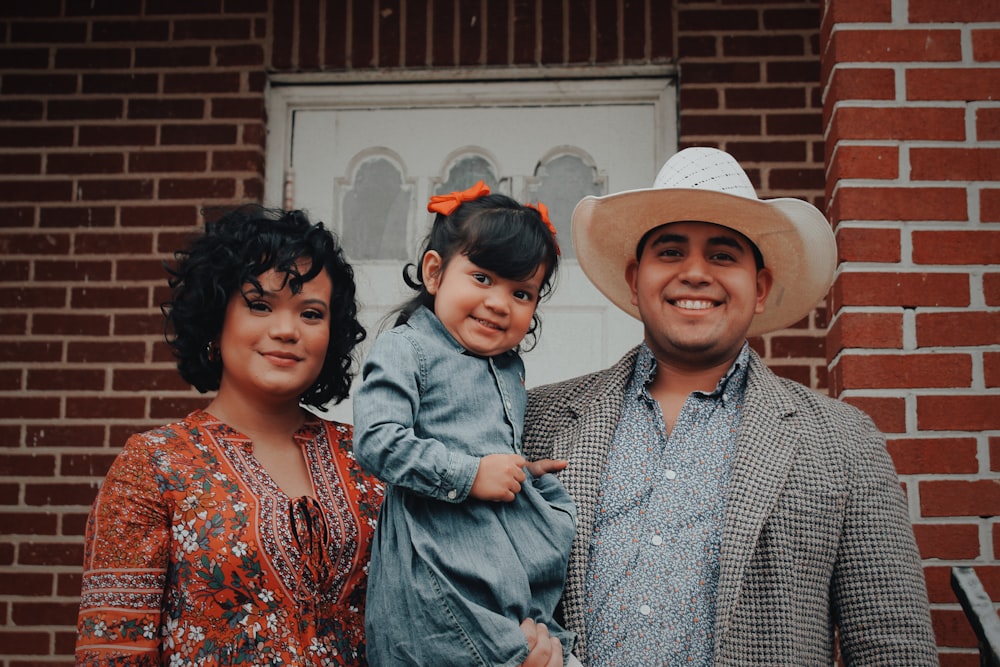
x,y
693,304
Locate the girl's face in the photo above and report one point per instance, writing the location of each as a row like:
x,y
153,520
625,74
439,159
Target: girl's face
x,y
273,342
486,313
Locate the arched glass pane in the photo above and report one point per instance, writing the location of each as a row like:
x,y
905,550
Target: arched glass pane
x,y
561,183
374,212
466,172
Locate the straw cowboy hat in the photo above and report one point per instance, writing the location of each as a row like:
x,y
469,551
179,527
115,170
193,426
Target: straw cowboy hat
x,y
708,185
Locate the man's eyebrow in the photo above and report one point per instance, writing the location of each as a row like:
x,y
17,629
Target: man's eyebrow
x,y
727,241
668,237
721,240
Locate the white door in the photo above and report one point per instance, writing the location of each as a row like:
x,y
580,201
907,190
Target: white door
x,y
364,159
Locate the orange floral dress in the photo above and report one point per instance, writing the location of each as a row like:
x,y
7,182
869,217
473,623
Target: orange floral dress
x,y
194,556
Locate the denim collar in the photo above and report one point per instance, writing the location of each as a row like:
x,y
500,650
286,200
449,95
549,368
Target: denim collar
x,y
424,319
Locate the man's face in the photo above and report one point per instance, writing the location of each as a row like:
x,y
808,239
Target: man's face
x,y
697,288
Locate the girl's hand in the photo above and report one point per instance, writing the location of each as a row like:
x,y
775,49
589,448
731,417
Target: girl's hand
x,y
543,466
543,649
499,477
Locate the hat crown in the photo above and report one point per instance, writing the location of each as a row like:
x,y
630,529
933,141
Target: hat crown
x,y
703,168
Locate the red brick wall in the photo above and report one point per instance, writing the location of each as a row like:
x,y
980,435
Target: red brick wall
x,y
117,124
119,119
912,120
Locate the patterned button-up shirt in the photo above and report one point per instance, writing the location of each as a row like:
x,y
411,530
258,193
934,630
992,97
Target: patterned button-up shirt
x,y
653,572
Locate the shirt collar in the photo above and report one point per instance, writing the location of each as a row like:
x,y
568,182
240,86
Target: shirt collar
x,y
730,386
424,317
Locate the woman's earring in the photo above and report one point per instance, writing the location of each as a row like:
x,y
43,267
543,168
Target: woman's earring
x,y
212,352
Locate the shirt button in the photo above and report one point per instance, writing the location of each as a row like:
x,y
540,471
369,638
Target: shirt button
x,y
645,610
671,474
452,494
657,540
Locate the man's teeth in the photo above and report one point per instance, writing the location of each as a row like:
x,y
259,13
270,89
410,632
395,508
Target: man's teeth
x,y
693,305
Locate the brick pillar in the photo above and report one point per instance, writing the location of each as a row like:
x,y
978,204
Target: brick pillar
x,y
912,119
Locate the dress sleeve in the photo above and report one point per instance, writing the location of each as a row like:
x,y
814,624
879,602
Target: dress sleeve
x,y
125,563
385,443
878,591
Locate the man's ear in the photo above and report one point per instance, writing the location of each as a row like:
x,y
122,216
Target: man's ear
x,y
632,277
765,280
430,269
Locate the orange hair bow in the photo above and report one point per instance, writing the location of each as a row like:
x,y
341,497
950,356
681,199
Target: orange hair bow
x,y
446,204
543,210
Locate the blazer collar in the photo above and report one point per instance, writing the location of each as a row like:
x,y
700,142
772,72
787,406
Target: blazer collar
x,y
765,451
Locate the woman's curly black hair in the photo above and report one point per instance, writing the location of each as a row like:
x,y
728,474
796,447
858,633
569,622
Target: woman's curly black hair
x,y
234,250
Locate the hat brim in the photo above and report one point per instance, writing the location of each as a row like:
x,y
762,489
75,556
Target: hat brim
x,y
793,236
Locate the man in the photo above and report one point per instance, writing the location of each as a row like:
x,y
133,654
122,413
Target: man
x,y
726,516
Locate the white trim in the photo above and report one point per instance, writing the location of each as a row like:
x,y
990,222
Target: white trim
x,y
454,75
544,87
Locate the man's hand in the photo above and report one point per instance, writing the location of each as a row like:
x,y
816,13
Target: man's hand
x,y
499,477
543,650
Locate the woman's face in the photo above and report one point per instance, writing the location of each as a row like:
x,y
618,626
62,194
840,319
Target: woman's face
x,y
273,343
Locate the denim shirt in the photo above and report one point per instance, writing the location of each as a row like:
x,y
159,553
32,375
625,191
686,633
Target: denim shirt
x,y
452,577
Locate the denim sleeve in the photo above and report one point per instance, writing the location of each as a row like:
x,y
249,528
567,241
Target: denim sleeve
x,y
385,443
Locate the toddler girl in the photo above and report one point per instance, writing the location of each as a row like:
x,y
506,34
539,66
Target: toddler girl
x,y
472,538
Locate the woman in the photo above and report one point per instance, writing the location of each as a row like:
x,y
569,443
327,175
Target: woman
x,y
241,534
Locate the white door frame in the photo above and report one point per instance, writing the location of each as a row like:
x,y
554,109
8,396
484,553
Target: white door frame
x,y
655,85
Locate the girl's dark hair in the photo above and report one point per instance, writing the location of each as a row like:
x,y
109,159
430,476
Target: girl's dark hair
x,y
496,233
235,249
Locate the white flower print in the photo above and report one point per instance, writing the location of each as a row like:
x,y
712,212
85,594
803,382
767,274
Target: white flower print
x,y
317,647
187,537
168,631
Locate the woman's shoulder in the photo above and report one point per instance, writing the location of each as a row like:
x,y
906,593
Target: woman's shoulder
x,y
180,434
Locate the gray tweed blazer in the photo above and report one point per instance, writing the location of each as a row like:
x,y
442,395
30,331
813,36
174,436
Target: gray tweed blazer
x,y
816,535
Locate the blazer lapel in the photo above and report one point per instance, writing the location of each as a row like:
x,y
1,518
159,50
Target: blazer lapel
x,y
766,448
585,442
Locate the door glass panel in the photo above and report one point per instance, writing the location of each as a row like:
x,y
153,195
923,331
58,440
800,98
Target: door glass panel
x,y
466,172
561,182
374,212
